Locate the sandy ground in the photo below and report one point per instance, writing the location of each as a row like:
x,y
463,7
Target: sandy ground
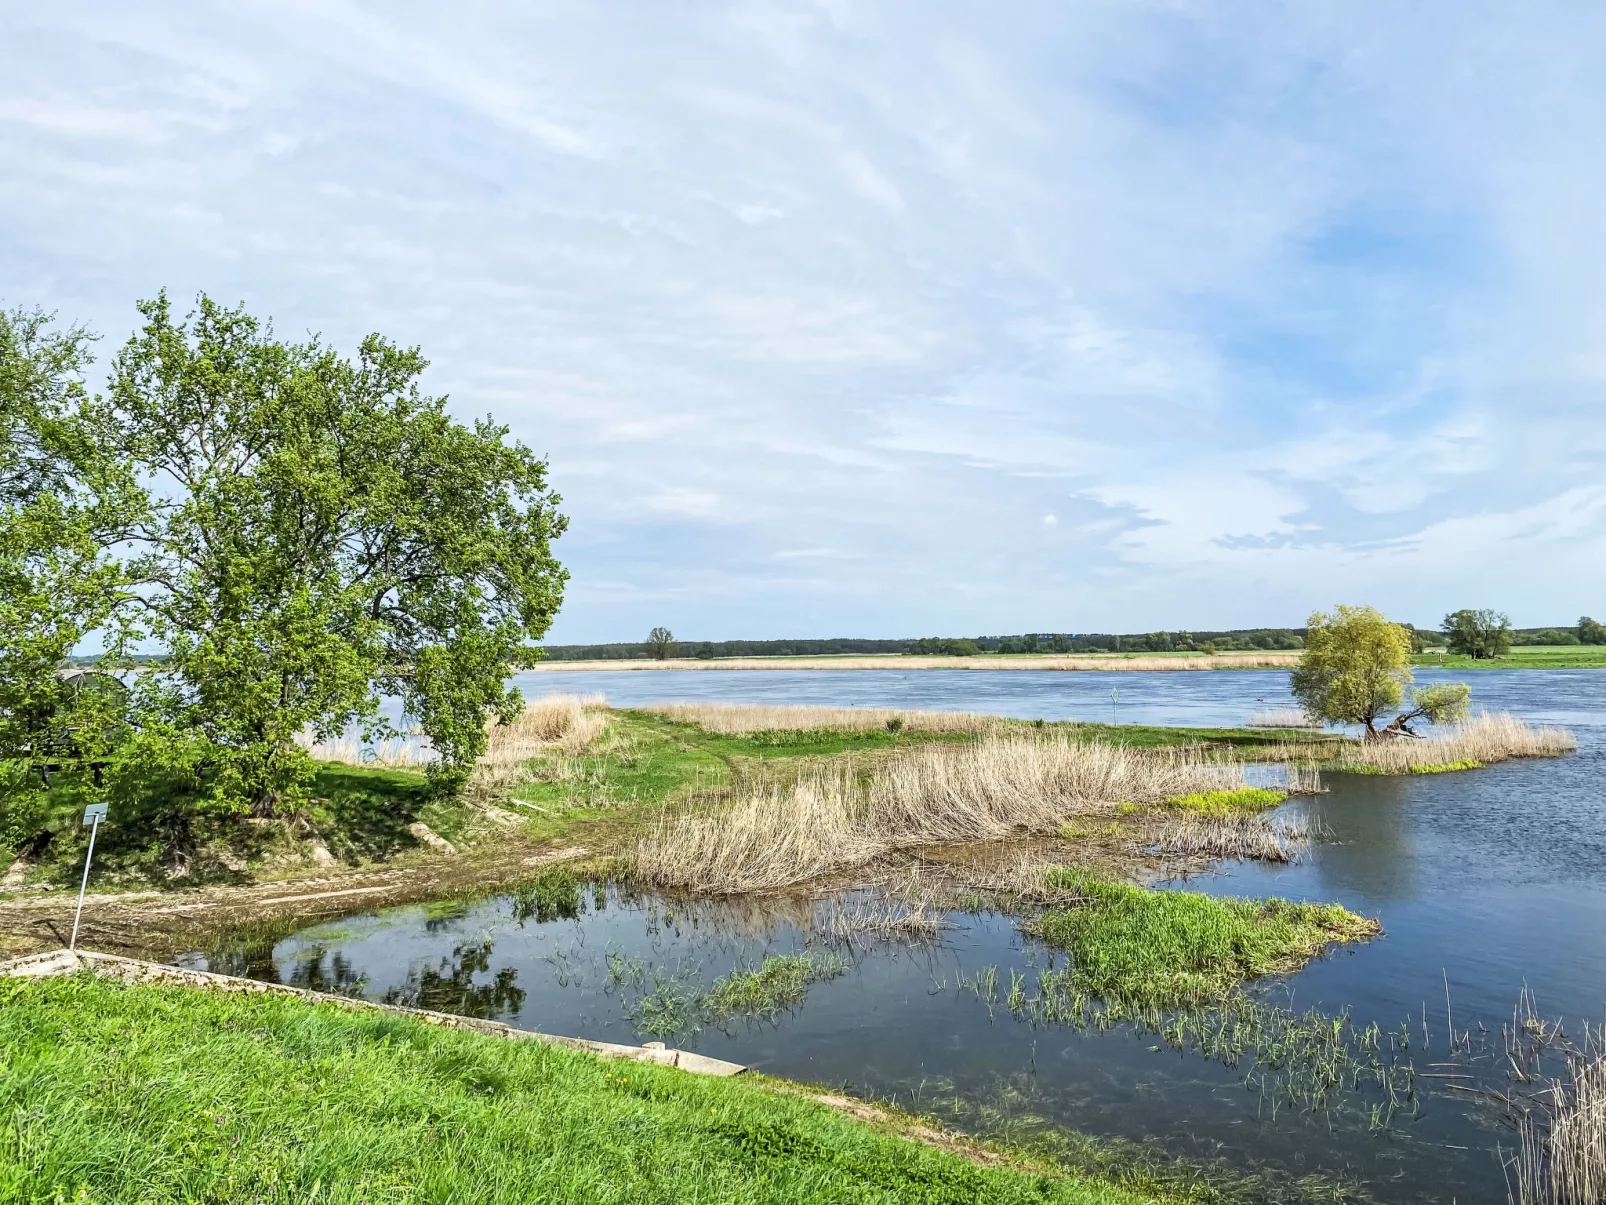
x,y
163,923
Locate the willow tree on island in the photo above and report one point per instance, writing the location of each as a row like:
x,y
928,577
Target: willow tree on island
x,y
1356,668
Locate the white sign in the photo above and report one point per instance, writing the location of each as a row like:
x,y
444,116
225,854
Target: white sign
x,y
94,812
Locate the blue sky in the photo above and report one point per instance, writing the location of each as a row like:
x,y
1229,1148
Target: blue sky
x,y
899,319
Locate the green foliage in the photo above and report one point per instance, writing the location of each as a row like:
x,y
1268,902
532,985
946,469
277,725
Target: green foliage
x,y
1172,948
62,503
1354,667
161,1095
662,641
301,532
1590,632
943,646
1481,635
1221,803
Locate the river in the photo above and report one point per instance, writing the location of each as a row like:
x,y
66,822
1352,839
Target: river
x,y
1485,882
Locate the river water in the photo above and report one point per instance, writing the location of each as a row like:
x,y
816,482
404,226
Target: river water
x,y
1485,882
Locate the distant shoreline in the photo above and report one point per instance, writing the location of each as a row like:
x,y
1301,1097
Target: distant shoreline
x,y
1084,662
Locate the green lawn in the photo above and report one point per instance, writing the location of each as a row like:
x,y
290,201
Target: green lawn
x,y
165,1094
1524,656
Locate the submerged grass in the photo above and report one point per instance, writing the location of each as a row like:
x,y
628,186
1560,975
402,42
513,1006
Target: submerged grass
x,y
160,1094
1170,949
778,983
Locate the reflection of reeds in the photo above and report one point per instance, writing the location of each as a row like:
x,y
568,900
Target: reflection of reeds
x,y
1241,835
883,919
1562,1157
775,835
736,719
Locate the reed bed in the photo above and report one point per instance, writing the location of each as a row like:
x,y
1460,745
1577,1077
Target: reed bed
x,y
1281,717
556,726
401,753
1562,1156
739,719
1480,741
777,835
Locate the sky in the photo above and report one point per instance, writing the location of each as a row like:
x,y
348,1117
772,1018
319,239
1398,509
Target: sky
x,y
900,319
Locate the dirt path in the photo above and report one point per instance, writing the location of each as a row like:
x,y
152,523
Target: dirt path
x,y
162,923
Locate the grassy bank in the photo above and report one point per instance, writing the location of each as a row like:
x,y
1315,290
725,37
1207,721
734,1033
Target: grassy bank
x,y
1523,656
160,1094
1169,949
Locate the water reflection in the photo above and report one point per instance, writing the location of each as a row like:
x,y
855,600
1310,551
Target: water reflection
x,y
449,987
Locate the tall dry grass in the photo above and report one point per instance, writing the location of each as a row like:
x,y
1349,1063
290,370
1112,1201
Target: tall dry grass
x,y
554,724
1562,1156
1485,739
779,834
737,719
1280,717
1482,741
402,753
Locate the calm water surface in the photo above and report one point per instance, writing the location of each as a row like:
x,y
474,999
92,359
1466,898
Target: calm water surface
x,y
1484,881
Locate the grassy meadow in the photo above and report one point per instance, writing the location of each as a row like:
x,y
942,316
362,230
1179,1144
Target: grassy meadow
x,y
1522,656
151,1094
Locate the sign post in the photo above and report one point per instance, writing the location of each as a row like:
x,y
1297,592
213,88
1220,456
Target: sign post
x,y
93,815
1115,701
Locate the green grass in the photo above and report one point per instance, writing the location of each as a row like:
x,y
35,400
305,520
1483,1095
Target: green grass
x,y
1446,767
1223,803
1525,656
163,1094
1175,948
780,982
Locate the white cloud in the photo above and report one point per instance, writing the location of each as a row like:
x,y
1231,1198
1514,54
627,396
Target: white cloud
x,y
1254,315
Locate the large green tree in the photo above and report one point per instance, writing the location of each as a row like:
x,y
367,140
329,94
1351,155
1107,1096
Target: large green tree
x,y
1356,668
62,503
312,532
1479,634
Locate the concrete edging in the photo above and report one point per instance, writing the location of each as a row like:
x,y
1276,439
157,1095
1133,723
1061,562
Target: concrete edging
x,y
57,963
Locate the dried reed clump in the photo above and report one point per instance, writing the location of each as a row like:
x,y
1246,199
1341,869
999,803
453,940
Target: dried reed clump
x,y
737,719
778,835
555,726
1280,717
1483,740
1249,836
391,754
1562,1157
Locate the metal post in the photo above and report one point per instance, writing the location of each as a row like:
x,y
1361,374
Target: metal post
x,y
93,815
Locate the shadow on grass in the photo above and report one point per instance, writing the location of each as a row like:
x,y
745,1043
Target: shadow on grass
x,y
371,809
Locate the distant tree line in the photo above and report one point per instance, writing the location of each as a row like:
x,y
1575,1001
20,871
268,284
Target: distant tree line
x,y
1477,633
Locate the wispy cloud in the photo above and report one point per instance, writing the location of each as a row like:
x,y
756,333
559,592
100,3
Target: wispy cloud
x,y
896,318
